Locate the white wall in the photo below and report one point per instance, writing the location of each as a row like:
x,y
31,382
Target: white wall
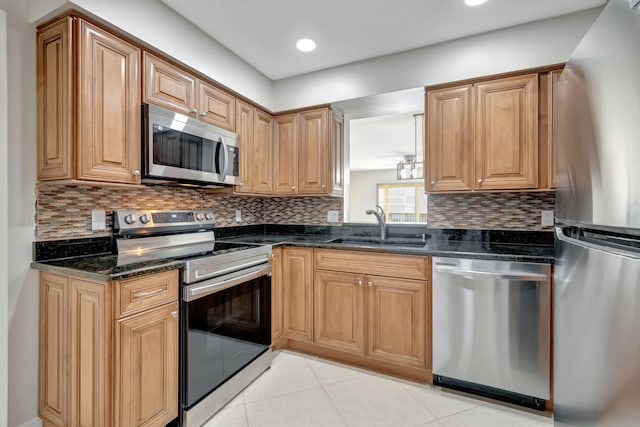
x,y
4,278
526,46
23,284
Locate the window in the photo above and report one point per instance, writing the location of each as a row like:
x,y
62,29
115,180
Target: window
x,y
403,203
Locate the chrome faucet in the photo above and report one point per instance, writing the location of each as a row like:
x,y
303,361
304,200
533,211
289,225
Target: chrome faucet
x,y
381,217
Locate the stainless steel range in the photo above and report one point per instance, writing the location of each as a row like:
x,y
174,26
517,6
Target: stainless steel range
x,y
225,308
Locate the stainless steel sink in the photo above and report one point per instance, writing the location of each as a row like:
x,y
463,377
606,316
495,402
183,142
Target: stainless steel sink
x,y
373,241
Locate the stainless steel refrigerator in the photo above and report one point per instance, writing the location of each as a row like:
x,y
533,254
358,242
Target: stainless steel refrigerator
x,y
597,271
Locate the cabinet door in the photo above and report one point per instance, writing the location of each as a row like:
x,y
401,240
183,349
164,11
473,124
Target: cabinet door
x,y
337,153
506,137
262,167
244,128
55,101
449,139
313,152
53,384
90,340
397,320
168,86
297,293
216,107
108,107
285,155
339,311
147,367
276,295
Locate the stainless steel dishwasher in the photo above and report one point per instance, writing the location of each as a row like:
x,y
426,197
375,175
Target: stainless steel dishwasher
x,y
492,328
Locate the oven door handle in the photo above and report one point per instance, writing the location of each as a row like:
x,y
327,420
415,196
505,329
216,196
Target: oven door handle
x,y
199,290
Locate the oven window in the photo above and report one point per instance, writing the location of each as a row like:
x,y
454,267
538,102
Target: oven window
x,y
224,332
182,150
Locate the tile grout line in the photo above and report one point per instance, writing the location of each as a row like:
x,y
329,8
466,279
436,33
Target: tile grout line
x,y
333,405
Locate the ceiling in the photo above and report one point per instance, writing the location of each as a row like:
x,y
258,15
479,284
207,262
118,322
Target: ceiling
x,y
263,33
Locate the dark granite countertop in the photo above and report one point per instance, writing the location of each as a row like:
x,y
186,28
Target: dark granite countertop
x,y
507,247
103,268
92,259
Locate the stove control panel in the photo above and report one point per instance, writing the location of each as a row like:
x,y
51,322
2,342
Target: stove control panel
x,y
140,220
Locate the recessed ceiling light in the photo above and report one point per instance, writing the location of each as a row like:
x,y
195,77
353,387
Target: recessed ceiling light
x,y
306,45
474,2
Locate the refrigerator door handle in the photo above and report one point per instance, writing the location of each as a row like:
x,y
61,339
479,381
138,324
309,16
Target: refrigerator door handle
x,y
603,248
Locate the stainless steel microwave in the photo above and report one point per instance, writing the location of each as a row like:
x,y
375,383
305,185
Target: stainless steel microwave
x,y
181,149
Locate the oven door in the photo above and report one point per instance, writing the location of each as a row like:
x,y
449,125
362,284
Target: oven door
x,y
226,324
178,147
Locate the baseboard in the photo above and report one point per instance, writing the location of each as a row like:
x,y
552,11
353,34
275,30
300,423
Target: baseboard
x,y
36,422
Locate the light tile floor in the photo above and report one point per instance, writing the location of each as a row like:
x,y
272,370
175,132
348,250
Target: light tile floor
x,y
300,391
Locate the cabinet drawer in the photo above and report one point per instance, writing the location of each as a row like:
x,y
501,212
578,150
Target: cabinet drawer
x,y
389,265
140,293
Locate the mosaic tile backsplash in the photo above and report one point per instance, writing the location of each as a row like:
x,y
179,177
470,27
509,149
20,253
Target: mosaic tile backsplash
x,y
498,211
64,212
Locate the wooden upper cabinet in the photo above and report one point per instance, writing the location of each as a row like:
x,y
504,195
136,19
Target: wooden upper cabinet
x,y
337,153
99,139
168,86
262,167
506,134
449,139
313,152
55,101
108,107
556,87
171,87
285,155
216,107
245,128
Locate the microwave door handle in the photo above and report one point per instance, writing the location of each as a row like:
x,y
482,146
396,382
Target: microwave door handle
x,y
225,157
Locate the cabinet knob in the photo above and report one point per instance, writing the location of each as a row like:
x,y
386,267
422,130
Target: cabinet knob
x,y
479,180
360,282
174,314
369,283
203,114
194,111
323,186
433,183
293,188
136,172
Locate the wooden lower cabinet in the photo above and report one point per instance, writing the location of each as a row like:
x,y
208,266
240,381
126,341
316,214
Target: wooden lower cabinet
x,y
146,358
297,293
380,321
397,320
99,369
276,296
339,311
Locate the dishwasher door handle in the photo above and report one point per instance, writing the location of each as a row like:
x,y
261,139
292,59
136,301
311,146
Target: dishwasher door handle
x,y
474,274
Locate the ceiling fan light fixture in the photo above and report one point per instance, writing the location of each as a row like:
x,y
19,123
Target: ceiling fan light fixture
x,y
474,2
305,45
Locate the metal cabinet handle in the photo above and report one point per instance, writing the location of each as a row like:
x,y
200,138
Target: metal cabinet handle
x,y
370,283
323,186
203,114
174,314
136,172
433,183
293,188
149,293
479,180
194,111
359,282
